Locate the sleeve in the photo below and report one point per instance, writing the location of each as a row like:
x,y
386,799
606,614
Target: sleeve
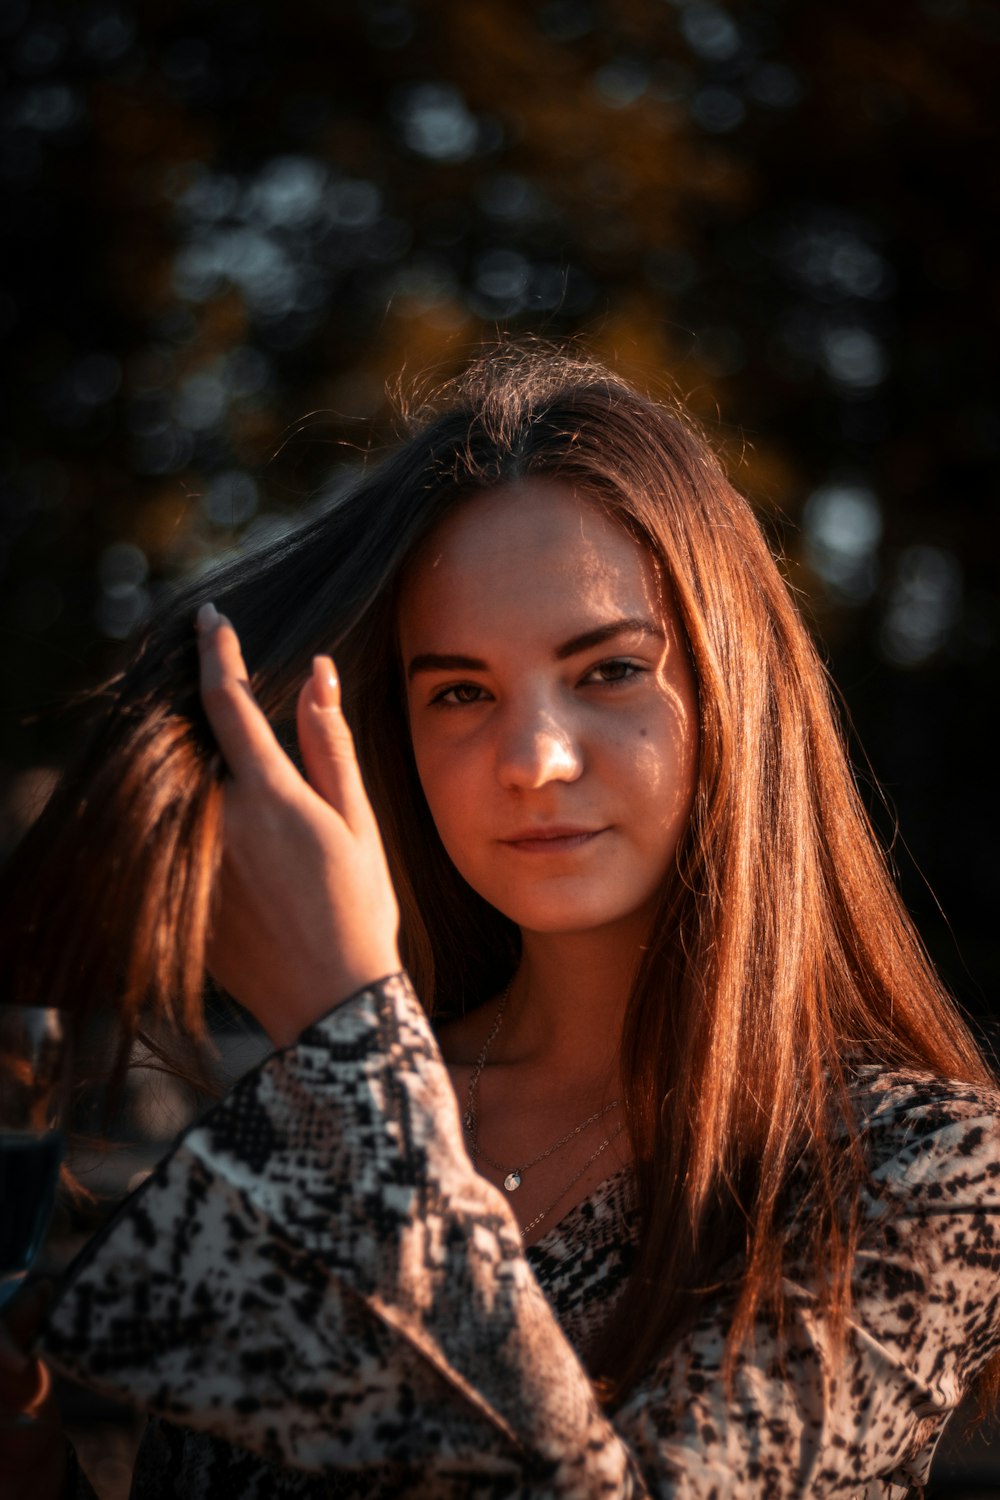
x,y
317,1274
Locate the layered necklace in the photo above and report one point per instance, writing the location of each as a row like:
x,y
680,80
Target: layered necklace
x,y
513,1177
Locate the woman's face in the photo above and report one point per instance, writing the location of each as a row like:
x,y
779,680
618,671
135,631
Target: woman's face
x,y
552,707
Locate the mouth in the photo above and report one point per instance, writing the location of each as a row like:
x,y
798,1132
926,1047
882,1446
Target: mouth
x,y
557,839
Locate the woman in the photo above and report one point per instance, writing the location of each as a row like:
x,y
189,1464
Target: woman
x,y
693,1193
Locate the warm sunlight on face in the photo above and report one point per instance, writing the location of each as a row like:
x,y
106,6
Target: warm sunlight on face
x,y
552,707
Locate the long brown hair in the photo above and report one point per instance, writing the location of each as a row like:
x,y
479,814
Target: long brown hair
x,y
782,956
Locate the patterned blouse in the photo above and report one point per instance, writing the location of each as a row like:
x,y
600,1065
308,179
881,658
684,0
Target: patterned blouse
x,y
316,1295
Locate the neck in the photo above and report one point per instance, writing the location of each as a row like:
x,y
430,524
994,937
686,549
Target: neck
x,y
567,1003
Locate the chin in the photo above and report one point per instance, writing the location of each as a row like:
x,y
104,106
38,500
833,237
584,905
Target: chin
x,y
565,917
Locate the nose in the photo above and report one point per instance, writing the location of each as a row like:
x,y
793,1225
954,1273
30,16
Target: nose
x,y
536,747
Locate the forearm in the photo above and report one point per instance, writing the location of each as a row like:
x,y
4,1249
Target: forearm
x,y
320,1250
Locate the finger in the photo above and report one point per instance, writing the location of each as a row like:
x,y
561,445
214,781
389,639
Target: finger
x,y
242,733
327,746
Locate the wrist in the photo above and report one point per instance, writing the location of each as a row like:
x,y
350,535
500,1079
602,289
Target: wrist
x,y
285,1028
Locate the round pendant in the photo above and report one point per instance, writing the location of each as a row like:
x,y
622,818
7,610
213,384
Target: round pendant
x,y
512,1181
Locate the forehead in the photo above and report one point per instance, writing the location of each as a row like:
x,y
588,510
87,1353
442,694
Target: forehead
x,y
523,553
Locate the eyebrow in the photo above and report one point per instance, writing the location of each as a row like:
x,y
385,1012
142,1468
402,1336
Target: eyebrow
x,y
430,661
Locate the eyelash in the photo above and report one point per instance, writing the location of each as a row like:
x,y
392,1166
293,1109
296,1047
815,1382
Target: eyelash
x,y
441,698
632,670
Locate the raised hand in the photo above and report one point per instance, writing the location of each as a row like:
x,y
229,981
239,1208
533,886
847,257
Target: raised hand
x,y
305,911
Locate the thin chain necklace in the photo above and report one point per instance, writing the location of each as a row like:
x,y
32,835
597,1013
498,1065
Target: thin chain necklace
x,y
572,1182
512,1179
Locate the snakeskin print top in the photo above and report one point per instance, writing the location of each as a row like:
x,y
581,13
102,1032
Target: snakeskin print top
x,y
316,1295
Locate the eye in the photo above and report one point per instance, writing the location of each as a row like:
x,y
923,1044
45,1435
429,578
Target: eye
x,y
614,673
459,694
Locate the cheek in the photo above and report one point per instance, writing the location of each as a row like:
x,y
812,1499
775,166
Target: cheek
x,y
445,779
663,769
429,775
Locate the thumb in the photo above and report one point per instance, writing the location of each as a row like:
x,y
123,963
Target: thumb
x,y
327,746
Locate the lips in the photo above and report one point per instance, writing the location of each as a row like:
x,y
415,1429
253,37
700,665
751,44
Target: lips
x,y
556,838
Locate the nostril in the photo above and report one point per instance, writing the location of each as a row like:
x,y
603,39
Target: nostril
x,y
541,757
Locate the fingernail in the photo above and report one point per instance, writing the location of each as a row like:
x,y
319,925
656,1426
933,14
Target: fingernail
x,y
207,618
326,683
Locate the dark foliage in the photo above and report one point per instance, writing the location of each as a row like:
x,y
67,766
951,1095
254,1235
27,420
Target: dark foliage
x,y
227,226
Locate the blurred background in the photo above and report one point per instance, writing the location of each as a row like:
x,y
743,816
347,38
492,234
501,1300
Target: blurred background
x,y
228,226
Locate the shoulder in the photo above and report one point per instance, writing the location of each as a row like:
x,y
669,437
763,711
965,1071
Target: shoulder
x,y
938,1138
928,1252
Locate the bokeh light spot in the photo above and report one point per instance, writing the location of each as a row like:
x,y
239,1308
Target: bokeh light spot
x,y
710,31
717,109
923,607
436,122
231,498
622,81
843,527
853,356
